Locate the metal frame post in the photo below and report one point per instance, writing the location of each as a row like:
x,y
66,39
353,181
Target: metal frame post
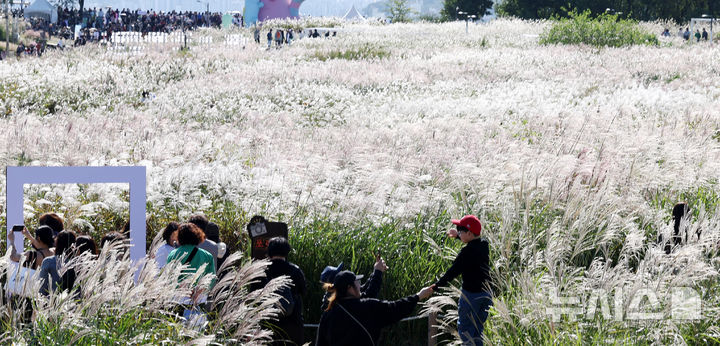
x,y
7,27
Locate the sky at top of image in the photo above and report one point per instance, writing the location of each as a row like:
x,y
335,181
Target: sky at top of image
x,y
308,8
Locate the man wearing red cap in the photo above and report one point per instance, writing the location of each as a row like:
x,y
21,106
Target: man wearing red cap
x,y
473,263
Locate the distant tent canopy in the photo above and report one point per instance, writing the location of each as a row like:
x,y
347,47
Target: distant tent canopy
x,y
353,14
42,9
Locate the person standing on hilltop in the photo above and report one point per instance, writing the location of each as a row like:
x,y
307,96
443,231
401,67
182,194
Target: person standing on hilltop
x,y
473,263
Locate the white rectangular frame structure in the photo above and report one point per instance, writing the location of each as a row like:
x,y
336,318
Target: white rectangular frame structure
x,y
17,177
710,20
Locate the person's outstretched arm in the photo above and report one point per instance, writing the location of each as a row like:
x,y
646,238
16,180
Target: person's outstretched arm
x,y
453,271
14,255
389,312
30,237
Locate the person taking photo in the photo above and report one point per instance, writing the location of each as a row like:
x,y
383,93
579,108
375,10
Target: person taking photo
x,y
351,320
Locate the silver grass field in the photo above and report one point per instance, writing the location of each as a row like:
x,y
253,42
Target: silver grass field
x,y
572,156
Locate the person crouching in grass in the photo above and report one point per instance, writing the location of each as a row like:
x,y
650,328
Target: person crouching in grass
x,y
196,259
473,263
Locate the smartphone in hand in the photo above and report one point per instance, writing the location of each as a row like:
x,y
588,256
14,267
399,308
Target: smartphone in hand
x,y
18,228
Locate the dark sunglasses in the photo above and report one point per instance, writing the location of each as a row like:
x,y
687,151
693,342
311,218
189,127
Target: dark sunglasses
x,y
462,229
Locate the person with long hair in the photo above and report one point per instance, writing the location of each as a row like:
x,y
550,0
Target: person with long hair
x,y
41,243
64,251
169,235
369,289
351,320
85,244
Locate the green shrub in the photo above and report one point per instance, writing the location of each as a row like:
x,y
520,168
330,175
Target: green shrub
x,y
605,30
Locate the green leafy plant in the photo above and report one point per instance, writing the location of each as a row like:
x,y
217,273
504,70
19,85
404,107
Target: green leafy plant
x,y
605,30
399,11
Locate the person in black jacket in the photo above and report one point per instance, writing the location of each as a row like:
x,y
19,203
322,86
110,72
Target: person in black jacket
x,y
369,289
473,263
351,320
288,330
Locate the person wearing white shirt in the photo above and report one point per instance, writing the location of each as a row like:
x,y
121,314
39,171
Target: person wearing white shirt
x,y
170,236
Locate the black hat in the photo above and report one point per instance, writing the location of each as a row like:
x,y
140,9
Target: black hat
x,y
345,278
328,274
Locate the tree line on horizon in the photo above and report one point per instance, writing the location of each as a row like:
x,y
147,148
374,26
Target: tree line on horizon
x,y
645,10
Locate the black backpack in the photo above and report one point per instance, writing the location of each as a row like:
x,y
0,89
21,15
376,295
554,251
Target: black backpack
x,y
287,302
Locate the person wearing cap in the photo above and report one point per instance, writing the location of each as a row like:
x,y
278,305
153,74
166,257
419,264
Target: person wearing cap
x,y
369,289
473,263
352,320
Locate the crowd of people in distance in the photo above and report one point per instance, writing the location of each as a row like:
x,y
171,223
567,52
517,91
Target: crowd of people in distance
x,y
32,49
98,25
281,37
108,21
686,35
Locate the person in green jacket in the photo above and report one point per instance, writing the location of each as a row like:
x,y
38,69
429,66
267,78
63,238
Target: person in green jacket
x,y
189,237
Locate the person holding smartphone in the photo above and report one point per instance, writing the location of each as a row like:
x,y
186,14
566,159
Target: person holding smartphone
x,y
41,244
352,320
369,289
473,263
